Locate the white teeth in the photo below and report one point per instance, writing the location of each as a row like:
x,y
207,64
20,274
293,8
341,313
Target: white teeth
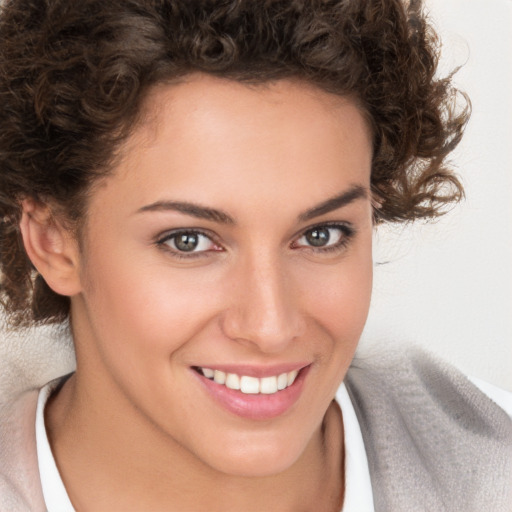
x,y
249,385
268,385
219,377
291,377
232,381
282,381
208,372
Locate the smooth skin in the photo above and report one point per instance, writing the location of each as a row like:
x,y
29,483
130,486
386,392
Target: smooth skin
x,y
246,173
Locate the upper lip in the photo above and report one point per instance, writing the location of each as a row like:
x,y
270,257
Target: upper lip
x,y
256,371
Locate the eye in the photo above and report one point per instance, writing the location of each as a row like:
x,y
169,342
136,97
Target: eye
x,y
188,242
326,237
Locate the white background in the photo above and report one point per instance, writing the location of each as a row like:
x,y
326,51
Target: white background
x,y
448,285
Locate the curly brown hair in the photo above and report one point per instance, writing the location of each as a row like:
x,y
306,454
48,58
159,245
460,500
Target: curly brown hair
x,y
74,74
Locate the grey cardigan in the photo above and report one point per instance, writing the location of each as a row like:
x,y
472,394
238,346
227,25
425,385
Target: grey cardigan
x,y
434,442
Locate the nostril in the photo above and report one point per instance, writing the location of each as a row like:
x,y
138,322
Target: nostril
x,y
271,332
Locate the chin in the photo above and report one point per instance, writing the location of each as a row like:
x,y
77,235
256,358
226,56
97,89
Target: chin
x,y
254,460
258,467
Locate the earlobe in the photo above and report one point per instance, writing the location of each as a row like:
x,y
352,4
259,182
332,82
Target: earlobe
x,y
50,247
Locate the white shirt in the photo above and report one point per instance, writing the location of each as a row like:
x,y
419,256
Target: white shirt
x,y
55,495
358,487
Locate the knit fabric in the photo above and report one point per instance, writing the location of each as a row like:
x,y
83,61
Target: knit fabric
x,y
434,441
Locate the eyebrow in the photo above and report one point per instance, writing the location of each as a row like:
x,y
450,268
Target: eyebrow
x,y
334,203
204,212
195,210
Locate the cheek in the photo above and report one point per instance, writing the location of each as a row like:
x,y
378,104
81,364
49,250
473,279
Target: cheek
x,y
339,297
145,309
337,302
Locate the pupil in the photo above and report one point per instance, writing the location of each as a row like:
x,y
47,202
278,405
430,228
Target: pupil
x,y
186,242
318,237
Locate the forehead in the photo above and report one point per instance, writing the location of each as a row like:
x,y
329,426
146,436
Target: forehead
x,y
211,139
217,105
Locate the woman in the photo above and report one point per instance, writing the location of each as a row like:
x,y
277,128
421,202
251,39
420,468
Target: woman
x,y
194,187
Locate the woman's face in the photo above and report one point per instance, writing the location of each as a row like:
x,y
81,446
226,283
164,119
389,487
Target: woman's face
x,y
233,238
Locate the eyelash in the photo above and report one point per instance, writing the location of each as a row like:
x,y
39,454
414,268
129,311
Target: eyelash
x,y
347,233
173,235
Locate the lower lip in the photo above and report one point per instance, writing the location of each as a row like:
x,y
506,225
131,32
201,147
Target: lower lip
x,y
255,407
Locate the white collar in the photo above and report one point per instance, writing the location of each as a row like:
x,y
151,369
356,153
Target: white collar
x,y
358,486
55,496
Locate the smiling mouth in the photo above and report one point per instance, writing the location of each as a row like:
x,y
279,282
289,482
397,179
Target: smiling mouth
x,y
258,396
248,384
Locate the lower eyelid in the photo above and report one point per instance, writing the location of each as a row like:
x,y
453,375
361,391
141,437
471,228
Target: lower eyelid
x,y
341,244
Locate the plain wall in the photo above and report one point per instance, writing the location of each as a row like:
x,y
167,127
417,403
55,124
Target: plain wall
x,y
448,285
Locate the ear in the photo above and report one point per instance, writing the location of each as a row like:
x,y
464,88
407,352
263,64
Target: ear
x,y
51,248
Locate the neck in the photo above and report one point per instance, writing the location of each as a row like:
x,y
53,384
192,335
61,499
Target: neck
x,y
123,462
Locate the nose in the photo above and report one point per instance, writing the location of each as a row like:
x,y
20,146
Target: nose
x,y
264,306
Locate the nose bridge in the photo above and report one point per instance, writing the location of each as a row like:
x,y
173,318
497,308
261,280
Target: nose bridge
x,y
264,310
